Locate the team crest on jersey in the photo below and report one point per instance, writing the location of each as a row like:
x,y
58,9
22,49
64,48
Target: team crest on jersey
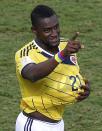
x,y
73,59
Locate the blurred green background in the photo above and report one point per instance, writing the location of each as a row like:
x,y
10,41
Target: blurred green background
x,y
84,16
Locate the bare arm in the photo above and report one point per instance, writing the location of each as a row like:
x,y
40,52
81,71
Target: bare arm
x,y
35,72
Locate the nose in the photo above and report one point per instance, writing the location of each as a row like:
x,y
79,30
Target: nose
x,y
54,33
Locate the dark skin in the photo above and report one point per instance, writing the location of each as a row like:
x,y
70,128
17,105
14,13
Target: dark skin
x,y
47,37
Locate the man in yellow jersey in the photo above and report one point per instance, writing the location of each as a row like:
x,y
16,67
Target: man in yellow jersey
x,y
48,75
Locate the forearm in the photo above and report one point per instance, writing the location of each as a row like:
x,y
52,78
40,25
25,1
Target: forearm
x,y
35,72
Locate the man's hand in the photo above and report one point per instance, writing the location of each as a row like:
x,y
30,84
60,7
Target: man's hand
x,y
73,46
86,93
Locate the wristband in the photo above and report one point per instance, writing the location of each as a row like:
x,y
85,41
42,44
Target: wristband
x,y
59,57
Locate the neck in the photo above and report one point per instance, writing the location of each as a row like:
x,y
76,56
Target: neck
x,y
52,50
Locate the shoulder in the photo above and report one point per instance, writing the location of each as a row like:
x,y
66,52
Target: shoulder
x,y
23,56
25,49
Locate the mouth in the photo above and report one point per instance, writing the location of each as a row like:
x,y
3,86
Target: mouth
x,y
54,43
54,40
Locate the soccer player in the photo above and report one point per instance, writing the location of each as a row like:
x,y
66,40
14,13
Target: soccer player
x,y
48,75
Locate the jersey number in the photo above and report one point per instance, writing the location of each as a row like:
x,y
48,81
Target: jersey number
x,y
74,78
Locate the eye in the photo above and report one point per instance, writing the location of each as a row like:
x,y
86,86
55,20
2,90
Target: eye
x,y
46,30
56,27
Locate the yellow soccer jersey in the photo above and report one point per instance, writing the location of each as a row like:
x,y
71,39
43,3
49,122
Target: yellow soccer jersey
x,y
50,94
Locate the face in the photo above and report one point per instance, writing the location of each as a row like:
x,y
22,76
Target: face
x,y
48,31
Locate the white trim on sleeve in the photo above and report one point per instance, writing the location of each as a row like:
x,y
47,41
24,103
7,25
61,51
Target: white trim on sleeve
x,y
25,61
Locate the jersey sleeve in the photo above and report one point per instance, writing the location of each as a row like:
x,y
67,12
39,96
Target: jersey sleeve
x,y
22,61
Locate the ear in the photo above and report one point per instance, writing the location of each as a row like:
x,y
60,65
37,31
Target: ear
x,y
33,29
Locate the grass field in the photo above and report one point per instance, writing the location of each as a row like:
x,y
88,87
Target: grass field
x,y
84,16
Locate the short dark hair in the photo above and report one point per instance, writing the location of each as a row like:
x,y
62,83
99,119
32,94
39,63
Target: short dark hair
x,y
41,11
